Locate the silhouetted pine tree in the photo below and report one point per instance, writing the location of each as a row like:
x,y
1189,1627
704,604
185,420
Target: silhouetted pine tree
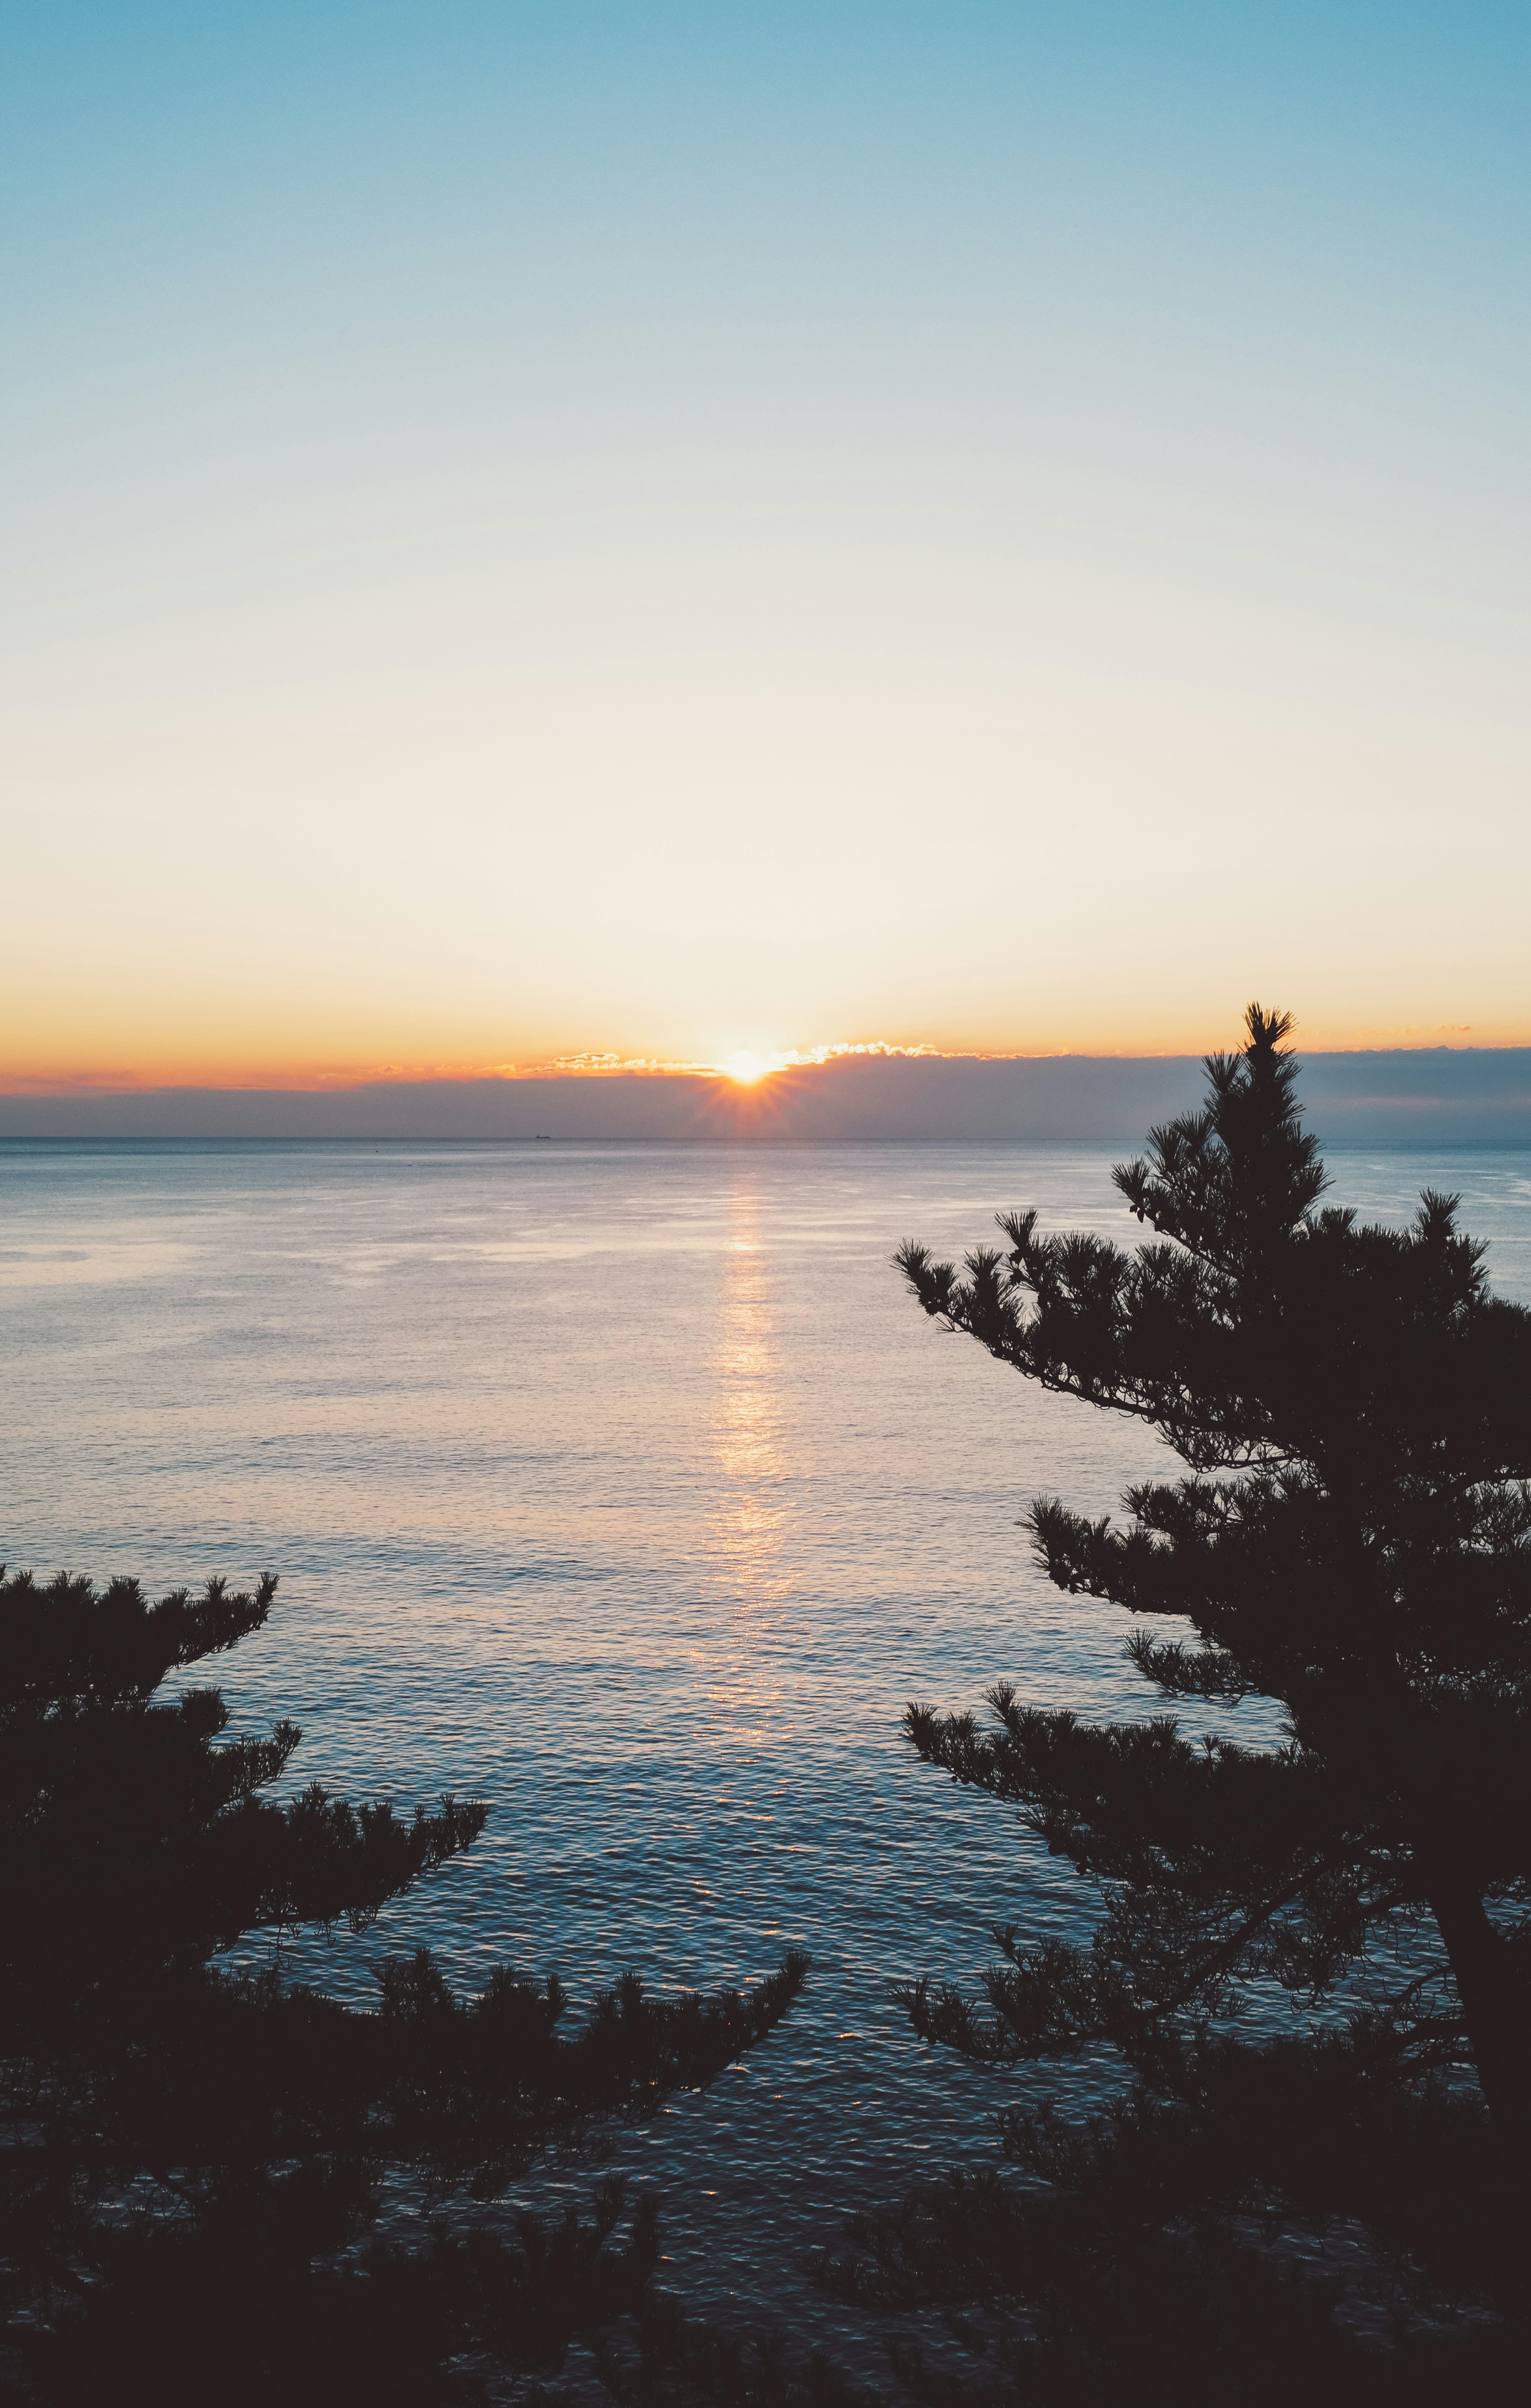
x,y
1354,1540
191,2157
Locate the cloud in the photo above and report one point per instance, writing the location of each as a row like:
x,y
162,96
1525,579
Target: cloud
x,y
858,1093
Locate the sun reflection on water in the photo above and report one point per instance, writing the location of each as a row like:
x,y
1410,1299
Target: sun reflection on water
x,y
748,1522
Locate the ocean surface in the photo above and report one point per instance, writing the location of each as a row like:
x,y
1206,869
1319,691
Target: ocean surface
x,y
626,1489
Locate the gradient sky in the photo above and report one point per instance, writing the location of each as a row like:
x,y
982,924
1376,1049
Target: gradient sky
x,y
672,529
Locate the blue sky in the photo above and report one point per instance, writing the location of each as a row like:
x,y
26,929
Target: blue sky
x,y
675,529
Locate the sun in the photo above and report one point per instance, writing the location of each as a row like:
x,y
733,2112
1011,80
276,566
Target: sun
x,y
745,1068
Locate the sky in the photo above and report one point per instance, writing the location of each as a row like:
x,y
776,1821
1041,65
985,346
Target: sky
x,y
667,532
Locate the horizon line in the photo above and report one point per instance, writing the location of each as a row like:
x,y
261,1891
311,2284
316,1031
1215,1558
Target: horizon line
x,y
742,1070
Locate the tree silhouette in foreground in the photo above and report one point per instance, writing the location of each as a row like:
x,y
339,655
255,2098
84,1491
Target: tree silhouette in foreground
x,y
1353,1539
192,2158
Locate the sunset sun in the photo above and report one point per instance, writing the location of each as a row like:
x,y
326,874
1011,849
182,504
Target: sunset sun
x,y
745,1069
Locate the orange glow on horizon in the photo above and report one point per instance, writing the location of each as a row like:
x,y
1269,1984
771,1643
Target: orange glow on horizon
x,y
223,1062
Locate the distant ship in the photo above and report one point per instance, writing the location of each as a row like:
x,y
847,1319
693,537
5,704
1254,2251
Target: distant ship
x,y
541,1139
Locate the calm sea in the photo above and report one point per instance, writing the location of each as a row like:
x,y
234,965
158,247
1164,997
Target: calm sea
x,y
624,1489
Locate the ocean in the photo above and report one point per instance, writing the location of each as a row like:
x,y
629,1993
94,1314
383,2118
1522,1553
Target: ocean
x,y
625,1489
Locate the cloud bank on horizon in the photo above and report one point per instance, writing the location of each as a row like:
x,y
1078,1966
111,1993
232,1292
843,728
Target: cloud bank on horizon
x,y
1429,1096
663,532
